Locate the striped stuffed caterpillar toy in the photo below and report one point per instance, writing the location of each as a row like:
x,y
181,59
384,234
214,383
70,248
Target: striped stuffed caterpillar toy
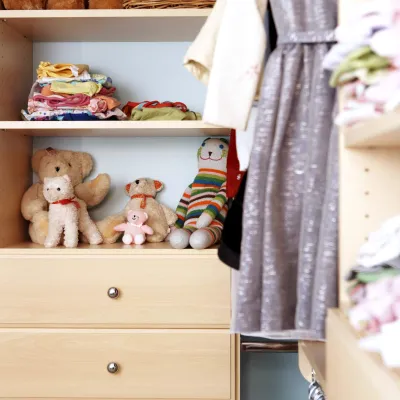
x,y
202,209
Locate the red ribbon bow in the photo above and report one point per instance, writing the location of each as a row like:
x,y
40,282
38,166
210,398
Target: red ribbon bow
x,y
64,202
144,197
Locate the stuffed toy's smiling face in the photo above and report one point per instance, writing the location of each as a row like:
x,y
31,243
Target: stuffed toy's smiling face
x,y
59,188
137,217
213,154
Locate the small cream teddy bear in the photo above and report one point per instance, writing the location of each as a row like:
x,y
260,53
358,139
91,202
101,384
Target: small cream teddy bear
x,y
67,213
135,229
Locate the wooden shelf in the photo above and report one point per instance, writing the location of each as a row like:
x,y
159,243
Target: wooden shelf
x,y
353,370
164,249
312,357
378,132
173,25
113,128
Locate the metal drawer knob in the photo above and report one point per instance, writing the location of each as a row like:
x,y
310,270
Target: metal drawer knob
x,y
113,293
112,368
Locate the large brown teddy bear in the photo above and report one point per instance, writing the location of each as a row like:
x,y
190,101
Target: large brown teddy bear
x,y
44,4
105,4
50,163
143,194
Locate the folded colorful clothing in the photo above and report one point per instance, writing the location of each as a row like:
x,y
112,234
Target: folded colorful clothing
x,y
364,58
380,305
40,102
103,80
47,69
110,101
156,111
107,91
57,114
89,88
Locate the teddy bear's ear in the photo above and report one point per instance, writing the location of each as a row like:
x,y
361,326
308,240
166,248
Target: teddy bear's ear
x,y
86,163
158,185
39,154
127,188
146,216
67,178
46,180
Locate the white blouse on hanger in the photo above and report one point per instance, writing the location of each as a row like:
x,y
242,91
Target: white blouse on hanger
x,y
228,55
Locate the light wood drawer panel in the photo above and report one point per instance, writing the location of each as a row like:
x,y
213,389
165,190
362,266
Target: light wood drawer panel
x,y
154,292
160,364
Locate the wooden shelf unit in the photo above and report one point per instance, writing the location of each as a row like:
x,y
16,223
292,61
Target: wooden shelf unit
x,y
149,249
165,25
378,132
353,373
113,128
55,304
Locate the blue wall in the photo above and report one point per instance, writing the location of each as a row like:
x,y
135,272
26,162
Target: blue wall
x,y
272,376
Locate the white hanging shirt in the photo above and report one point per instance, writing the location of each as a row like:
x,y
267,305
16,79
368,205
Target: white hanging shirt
x,y
228,55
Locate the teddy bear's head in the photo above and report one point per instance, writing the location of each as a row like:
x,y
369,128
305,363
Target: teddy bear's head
x,y
58,188
51,163
145,186
137,217
213,154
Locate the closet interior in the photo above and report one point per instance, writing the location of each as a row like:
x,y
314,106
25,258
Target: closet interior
x,y
109,321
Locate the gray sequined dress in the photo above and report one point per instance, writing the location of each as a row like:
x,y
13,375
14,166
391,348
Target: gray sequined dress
x,y
288,269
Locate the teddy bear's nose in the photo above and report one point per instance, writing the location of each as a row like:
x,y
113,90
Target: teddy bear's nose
x,y
57,169
137,181
210,153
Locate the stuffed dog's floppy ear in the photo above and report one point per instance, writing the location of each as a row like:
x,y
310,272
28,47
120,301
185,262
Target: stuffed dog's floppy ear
x,y
39,154
127,188
158,185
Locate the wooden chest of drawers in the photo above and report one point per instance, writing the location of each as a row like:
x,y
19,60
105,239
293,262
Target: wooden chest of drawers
x,y
146,323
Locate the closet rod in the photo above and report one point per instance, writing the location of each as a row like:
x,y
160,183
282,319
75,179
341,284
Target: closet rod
x,y
272,347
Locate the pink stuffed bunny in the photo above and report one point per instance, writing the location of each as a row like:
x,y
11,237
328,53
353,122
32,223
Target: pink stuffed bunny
x,y
135,229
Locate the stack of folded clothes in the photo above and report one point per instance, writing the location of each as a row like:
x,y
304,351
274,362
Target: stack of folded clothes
x,y
68,92
156,111
366,62
375,281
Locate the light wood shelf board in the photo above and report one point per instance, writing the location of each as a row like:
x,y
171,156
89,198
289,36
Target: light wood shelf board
x,y
172,25
113,128
160,249
378,132
312,357
364,376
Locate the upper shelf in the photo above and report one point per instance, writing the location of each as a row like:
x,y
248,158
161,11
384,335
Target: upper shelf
x,y
377,132
156,25
113,128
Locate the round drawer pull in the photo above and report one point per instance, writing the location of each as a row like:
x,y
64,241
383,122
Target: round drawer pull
x,y
112,367
113,293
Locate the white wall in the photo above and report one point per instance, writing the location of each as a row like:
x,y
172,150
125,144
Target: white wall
x,y
140,71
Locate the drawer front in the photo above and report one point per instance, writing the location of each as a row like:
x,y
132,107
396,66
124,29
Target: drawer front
x,y
152,292
158,364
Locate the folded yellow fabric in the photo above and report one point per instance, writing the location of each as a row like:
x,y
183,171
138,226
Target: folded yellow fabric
x,y
49,70
90,88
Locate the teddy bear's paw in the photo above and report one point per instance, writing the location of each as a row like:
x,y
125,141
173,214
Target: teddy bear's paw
x,y
179,239
39,227
201,239
106,228
95,238
100,186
